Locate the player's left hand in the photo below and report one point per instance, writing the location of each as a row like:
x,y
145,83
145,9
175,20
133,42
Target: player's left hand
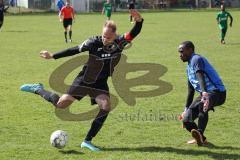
x,y
136,15
205,100
180,117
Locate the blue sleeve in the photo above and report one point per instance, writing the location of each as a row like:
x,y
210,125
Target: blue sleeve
x,y
198,64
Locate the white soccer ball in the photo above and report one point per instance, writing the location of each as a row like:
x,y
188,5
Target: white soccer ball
x,y
59,139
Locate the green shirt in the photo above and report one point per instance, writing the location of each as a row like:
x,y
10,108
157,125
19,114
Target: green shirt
x,y
222,18
107,9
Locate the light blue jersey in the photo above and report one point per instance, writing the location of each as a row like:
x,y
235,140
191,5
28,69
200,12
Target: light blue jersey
x,y
212,79
60,4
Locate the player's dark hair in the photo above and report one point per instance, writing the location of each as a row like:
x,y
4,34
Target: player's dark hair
x,y
188,44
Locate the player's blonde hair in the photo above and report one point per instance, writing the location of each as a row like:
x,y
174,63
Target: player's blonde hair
x,y
110,24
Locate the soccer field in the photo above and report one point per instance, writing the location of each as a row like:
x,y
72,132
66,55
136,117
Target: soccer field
x,y
148,130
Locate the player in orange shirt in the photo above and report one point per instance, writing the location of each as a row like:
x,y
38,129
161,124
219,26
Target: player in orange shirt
x,y
67,16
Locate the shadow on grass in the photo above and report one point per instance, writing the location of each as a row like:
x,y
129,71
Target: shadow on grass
x,y
70,152
232,44
213,155
16,31
212,146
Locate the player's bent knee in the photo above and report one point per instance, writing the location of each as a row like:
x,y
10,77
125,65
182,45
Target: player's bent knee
x,y
65,101
104,102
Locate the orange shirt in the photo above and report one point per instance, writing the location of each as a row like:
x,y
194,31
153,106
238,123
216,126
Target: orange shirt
x,y
67,12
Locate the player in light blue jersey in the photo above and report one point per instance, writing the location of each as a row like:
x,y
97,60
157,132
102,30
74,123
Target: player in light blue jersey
x,y
204,79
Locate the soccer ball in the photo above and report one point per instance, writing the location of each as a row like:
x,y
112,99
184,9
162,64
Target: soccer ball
x,y
59,139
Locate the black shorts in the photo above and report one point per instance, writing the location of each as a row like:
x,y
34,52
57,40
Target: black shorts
x,y
131,6
1,18
67,22
80,89
216,98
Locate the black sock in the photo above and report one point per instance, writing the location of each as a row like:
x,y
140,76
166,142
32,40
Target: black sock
x,y
65,34
202,121
190,125
1,25
70,34
97,124
49,96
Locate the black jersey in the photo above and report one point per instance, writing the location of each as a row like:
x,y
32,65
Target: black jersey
x,y
131,4
131,1
2,9
102,58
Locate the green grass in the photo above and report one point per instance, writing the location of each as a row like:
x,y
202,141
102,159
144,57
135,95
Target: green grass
x,y
26,121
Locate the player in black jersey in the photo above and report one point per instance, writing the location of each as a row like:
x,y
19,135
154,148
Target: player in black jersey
x,y
2,10
104,54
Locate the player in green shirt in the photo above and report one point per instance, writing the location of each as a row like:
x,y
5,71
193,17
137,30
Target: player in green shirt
x,y
222,20
107,9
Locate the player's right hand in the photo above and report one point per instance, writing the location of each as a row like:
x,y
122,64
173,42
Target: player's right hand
x,y
46,55
180,118
60,20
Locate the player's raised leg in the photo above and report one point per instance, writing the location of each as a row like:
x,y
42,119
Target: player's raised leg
x,y
60,102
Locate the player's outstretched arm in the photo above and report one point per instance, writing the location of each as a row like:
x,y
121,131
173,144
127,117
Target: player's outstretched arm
x,y
85,46
65,53
137,27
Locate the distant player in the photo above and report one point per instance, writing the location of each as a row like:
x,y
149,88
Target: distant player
x,y
60,5
222,20
131,5
203,78
107,9
67,16
104,54
2,10
13,3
